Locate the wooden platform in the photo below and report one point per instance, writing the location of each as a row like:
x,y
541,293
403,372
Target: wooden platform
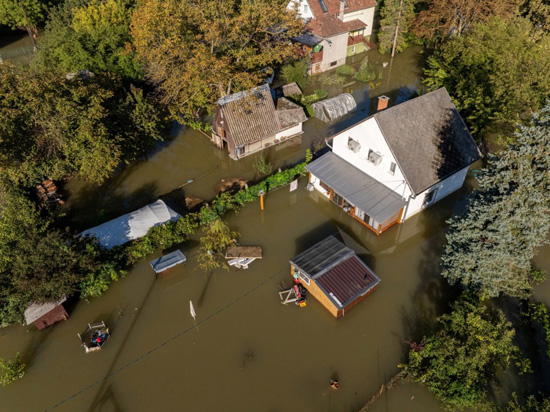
x,y
247,252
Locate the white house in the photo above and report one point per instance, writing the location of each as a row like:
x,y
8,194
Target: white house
x,y
392,165
334,29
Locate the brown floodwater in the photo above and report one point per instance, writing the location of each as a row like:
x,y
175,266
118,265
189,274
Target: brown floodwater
x,y
245,351
16,46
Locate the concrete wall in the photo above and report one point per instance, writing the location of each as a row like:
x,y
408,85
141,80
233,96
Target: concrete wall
x,y
304,11
444,188
335,51
291,131
369,136
365,15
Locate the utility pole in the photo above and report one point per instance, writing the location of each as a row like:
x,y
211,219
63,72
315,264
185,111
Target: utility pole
x,y
29,30
396,28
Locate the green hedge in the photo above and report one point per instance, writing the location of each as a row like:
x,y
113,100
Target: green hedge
x,y
119,260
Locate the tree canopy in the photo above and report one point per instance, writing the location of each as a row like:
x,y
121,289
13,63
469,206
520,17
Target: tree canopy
x,y
197,51
12,15
55,127
490,246
496,73
459,360
91,35
393,13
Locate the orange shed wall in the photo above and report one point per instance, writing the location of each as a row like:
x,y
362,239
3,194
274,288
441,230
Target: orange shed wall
x,y
318,294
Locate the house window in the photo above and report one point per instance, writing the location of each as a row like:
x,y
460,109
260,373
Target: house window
x,y
324,186
333,64
374,157
392,168
306,8
430,197
304,277
353,49
336,198
353,145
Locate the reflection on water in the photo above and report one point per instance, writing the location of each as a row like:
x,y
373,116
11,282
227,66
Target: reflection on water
x,y
16,46
246,351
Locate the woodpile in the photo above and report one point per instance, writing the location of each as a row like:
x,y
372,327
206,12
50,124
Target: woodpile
x,y
48,195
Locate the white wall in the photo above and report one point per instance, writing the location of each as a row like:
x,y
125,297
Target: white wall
x,y
335,51
368,134
304,11
290,131
444,188
365,15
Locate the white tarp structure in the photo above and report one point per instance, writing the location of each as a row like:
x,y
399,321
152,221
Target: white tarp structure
x,y
331,109
132,225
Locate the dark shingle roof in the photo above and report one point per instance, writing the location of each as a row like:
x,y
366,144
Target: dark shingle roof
x,y
337,270
428,138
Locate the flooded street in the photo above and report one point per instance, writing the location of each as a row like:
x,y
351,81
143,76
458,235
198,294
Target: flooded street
x,y
245,351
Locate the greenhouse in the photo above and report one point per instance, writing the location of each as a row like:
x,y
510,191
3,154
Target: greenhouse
x,y
331,109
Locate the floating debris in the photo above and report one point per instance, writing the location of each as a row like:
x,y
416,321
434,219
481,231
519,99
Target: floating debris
x,y
94,337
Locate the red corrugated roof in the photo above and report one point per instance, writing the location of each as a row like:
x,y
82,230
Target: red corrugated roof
x,y
347,280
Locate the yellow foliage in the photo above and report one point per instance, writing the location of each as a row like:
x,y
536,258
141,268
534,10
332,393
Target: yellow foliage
x,y
97,14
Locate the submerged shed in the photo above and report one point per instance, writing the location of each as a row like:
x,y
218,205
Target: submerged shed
x,y
46,314
334,275
331,109
167,261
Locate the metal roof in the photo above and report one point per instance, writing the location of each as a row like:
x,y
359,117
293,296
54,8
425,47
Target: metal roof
x,y
337,271
358,188
167,261
36,310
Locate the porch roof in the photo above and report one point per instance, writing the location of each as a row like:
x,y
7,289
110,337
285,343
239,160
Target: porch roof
x,y
358,188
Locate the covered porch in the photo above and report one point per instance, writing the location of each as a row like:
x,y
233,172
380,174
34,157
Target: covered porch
x,y
358,194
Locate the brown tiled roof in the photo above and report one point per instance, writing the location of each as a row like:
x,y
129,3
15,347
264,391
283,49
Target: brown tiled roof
x,y
333,6
428,138
347,280
356,24
326,26
250,115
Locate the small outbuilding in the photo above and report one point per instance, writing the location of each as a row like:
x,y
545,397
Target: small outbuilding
x,y
334,275
168,261
46,314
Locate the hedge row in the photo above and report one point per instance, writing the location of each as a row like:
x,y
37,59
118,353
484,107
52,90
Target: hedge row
x,y
119,260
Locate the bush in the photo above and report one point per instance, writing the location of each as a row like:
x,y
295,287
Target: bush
x,y
296,72
366,73
11,370
312,98
332,80
262,166
346,70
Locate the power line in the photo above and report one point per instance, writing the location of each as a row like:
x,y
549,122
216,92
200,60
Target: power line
x,y
163,344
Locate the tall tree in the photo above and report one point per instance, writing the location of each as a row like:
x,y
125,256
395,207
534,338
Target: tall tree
x,y
11,12
92,35
440,19
462,357
490,247
197,51
396,17
51,126
496,73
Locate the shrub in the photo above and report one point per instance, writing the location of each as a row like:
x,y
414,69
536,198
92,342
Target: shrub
x,y
332,80
11,370
366,73
346,70
262,166
296,72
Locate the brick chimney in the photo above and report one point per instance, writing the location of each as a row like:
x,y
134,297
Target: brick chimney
x,y
341,13
382,102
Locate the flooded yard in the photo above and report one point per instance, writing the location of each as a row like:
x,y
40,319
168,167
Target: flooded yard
x,y
245,351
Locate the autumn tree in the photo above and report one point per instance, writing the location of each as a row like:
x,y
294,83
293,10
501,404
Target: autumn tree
x,y
53,126
462,357
217,237
92,35
197,51
395,14
440,19
496,73
490,247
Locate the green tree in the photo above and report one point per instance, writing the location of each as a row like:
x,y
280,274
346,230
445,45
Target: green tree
x,y
11,370
496,73
531,404
217,236
296,73
92,35
459,360
395,13
441,19
490,246
262,166
54,127
197,51
11,13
